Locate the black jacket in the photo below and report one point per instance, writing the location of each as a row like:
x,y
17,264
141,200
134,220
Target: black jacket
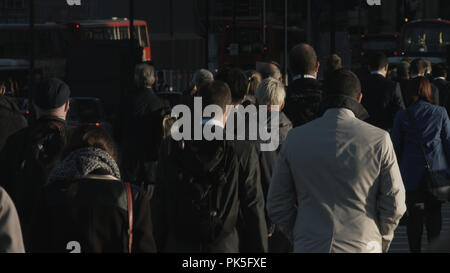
x,y
303,101
21,175
11,120
444,92
238,196
382,98
93,213
142,135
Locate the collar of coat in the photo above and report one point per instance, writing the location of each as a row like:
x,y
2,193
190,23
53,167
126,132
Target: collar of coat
x,y
346,102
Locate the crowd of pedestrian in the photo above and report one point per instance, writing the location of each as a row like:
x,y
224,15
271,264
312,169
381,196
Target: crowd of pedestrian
x,y
353,160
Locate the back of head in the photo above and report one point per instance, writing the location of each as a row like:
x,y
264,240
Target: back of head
x,y
270,92
144,76
334,63
255,80
403,70
270,70
303,60
237,82
51,94
90,136
419,88
439,70
216,93
344,83
377,61
201,77
418,67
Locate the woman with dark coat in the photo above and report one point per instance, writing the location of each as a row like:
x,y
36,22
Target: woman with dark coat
x,y
86,207
421,121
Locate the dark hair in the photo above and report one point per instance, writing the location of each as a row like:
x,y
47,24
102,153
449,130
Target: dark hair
x,y
439,70
91,136
216,93
334,63
377,61
418,66
419,89
237,82
344,82
403,70
302,60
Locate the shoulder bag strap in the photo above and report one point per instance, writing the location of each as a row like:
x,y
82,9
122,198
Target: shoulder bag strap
x,y
417,135
130,216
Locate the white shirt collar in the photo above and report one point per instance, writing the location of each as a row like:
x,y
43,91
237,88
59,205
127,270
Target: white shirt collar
x,y
297,77
213,122
377,72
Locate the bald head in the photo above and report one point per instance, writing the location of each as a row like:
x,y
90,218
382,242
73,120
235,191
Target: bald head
x,y
303,60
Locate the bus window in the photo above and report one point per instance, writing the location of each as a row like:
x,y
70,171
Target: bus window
x,y
124,33
144,36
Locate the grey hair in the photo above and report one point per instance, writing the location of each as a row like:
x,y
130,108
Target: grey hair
x,y
201,77
144,75
270,92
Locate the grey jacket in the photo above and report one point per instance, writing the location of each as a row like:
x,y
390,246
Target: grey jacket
x,y
337,186
10,232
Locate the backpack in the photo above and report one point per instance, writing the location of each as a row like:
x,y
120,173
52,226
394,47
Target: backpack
x,y
200,209
40,155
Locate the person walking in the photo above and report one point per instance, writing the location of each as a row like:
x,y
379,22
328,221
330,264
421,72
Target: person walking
x,y
337,187
86,208
421,126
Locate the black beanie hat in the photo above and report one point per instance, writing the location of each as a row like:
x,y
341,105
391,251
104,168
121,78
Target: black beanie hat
x,y
51,94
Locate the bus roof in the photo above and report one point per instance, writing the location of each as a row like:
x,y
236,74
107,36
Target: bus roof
x,y
85,23
439,21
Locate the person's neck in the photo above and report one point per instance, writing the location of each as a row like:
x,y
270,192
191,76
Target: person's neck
x,y
378,72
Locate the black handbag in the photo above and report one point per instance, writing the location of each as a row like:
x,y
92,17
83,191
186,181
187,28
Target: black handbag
x,y
436,184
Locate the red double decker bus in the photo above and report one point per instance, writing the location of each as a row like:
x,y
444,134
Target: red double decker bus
x,y
53,40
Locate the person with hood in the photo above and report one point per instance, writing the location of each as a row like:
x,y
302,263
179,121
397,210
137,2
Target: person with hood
x,y
204,189
337,186
10,231
11,119
87,208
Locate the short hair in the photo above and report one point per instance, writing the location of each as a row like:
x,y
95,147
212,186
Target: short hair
x,y
270,70
439,70
334,63
419,89
201,77
237,82
429,66
144,75
255,80
403,70
377,61
270,92
87,136
344,82
302,60
418,67
216,93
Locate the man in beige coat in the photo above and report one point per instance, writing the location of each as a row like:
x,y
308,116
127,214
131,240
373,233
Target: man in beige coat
x,y
337,187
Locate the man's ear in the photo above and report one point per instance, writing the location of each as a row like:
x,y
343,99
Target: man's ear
x,y
67,107
282,106
317,67
359,97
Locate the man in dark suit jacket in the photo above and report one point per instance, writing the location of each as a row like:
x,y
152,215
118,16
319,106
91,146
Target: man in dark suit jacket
x,y
440,81
381,97
419,68
304,95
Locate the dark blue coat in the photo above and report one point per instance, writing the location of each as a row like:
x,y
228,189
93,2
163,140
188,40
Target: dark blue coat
x,y
433,125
